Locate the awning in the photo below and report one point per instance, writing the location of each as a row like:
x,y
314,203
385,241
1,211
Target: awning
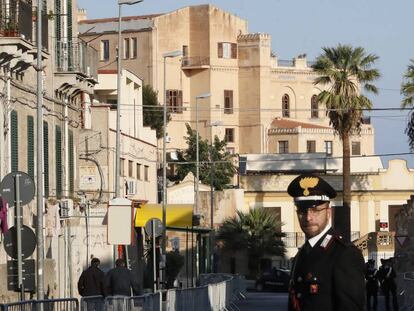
x,y
178,215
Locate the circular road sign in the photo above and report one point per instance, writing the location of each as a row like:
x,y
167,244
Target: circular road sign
x,y
28,242
27,188
157,227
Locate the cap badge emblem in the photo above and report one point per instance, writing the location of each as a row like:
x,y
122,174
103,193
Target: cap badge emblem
x,y
308,182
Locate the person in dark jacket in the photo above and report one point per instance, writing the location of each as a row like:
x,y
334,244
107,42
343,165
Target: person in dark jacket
x,y
371,277
120,280
328,272
92,280
386,276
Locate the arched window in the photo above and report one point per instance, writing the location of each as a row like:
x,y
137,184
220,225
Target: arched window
x,y
285,106
314,107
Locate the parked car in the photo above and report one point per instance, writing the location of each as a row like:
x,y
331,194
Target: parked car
x,y
275,279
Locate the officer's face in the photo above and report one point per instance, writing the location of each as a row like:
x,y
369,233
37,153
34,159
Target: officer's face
x,y
314,220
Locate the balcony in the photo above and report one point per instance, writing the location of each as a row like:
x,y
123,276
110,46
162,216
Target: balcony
x,y
195,62
76,66
16,21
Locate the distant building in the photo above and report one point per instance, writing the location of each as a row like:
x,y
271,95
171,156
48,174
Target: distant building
x,y
259,103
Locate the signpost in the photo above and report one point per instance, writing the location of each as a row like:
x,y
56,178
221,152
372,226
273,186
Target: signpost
x,y
154,228
18,189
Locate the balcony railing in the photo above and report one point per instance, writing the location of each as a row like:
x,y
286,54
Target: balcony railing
x,y
16,20
196,61
76,56
293,239
292,63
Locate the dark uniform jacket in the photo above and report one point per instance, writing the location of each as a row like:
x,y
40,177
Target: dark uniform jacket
x,y
120,281
92,282
330,276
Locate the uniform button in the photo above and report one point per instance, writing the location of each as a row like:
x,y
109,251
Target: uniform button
x,y
299,279
299,295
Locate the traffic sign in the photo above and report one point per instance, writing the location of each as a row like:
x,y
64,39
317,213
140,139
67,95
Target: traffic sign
x,y
28,275
27,188
158,228
28,266
28,242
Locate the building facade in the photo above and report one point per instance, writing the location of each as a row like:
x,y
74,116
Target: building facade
x,y
251,90
68,76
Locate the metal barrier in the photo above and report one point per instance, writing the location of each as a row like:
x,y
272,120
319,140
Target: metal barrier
x,y
18,306
217,292
66,304
92,303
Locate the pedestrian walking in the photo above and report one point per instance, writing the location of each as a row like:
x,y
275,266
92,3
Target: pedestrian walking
x,y
120,280
386,276
371,278
327,272
92,280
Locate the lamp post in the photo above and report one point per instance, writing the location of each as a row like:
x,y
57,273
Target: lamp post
x,y
214,123
198,97
118,109
118,106
164,159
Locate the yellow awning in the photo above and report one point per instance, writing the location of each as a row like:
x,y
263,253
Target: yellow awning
x,y
178,215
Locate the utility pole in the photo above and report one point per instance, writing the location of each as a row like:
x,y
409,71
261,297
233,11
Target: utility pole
x,y
39,168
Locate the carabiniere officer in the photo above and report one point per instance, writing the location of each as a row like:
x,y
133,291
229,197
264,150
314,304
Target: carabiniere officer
x,y
327,272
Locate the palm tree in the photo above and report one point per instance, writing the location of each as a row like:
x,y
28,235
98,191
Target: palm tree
x,y
344,69
256,232
407,90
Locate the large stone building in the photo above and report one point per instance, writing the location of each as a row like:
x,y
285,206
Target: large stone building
x,y
68,76
258,103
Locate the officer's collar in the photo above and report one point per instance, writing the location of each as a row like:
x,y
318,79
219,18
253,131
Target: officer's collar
x,y
316,238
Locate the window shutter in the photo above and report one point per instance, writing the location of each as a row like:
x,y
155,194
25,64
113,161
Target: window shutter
x,y
233,50
220,50
30,146
58,156
58,17
69,10
46,157
167,100
180,102
14,141
71,164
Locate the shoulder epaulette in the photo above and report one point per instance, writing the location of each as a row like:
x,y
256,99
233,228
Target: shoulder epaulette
x,y
327,241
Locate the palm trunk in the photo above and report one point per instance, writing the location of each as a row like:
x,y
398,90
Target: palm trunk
x,y
342,215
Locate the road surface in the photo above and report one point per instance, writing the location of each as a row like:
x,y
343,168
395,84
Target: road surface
x,y
271,301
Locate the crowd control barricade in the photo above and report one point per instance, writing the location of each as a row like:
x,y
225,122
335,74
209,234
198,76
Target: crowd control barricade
x,y
116,303
148,302
92,303
18,306
63,304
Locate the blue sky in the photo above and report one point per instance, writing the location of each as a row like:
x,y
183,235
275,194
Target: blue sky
x,y
382,27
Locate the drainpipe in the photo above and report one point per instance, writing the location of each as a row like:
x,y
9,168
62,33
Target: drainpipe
x,y
7,159
65,149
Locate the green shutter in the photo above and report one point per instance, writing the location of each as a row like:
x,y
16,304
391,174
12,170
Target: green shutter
x,y
14,141
30,146
70,21
58,156
71,164
58,24
46,157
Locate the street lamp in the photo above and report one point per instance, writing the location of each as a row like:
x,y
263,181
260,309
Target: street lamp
x,y
198,97
118,106
213,123
166,55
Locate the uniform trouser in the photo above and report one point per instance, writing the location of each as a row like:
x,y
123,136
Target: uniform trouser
x,y
390,289
372,293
